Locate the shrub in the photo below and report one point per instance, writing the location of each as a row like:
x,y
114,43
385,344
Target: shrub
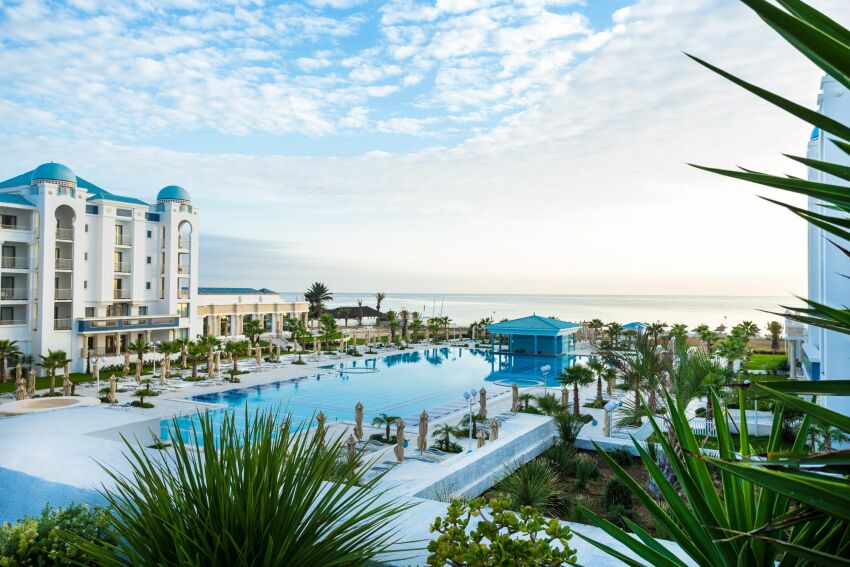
x,y
569,427
452,448
586,469
504,538
618,513
42,540
617,493
535,484
562,458
621,456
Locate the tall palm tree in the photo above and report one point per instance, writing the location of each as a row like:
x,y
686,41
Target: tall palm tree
x,y
210,343
404,319
678,334
330,332
599,368
359,312
54,359
379,298
596,326
317,296
433,326
576,376
654,330
385,420
235,349
183,346
415,325
708,336
299,333
445,321
645,366
345,315
195,354
167,349
614,332
139,347
392,320
9,351
774,329
252,328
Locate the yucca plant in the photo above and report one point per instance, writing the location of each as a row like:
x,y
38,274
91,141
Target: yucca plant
x,y
239,495
536,484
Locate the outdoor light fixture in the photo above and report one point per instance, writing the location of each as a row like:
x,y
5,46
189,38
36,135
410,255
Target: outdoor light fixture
x,y
470,395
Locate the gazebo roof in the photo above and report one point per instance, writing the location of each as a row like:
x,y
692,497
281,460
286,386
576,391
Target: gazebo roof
x,y
634,326
533,325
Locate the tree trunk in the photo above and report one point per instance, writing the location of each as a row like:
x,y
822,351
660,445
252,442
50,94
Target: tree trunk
x,y
599,389
576,407
388,432
2,369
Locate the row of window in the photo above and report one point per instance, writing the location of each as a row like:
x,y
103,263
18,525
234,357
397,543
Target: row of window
x,y
150,217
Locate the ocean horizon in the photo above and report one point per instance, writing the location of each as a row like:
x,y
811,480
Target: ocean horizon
x,y
692,310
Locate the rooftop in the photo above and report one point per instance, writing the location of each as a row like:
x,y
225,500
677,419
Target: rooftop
x,y
235,291
12,199
61,172
354,311
532,325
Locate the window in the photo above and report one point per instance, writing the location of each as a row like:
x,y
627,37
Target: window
x,y
85,255
91,209
85,284
162,288
143,310
150,234
152,217
183,309
123,213
147,285
89,311
149,259
87,228
7,313
9,221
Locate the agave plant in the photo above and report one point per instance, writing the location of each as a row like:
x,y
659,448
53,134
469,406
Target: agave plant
x,y
245,495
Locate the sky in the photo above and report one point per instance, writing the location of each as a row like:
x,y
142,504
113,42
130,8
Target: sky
x,y
475,146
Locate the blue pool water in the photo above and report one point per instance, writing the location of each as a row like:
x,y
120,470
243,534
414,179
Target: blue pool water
x,y
402,384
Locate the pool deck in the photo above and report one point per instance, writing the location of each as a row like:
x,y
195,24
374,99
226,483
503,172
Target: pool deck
x,y
73,443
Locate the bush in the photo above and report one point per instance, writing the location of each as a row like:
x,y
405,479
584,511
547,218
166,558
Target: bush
x,y
38,540
586,469
621,456
534,484
618,513
569,427
617,493
562,458
453,447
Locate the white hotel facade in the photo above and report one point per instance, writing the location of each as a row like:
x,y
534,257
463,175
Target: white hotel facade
x,y
825,355
87,271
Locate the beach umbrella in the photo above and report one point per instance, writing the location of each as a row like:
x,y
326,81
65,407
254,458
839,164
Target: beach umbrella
x,y
399,444
113,389
163,371
358,421
138,370
422,440
31,383
21,390
66,381
320,429
565,396
494,430
482,403
18,372
126,363
481,438
95,372
514,398
350,452
217,361
258,353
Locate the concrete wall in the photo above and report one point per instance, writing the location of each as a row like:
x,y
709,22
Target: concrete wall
x,y
14,503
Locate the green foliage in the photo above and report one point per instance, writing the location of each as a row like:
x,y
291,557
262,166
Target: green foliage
x,y
536,484
569,427
770,362
562,458
387,421
317,295
586,469
42,540
621,456
617,493
504,538
244,495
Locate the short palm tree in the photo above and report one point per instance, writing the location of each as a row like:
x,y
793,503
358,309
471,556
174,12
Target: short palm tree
x,y
614,332
774,329
379,298
415,326
299,333
209,343
139,347
183,346
576,376
317,296
678,334
599,369
235,349
548,404
168,349
525,399
443,432
385,420
252,329
54,359
9,351
195,354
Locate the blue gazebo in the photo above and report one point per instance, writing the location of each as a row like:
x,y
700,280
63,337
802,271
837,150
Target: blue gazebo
x,y
535,335
635,326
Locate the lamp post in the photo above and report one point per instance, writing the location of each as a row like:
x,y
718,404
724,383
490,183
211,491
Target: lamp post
x,y
102,363
545,370
470,395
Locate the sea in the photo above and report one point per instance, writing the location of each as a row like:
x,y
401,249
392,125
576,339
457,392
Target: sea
x,y
692,310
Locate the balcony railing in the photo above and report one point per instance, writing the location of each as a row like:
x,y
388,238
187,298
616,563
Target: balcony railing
x,y
182,269
61,324
64,263
64,234
183,294
15,263
184,243
123,240
63,294
122,267
13,322
121,294
13,293
14,226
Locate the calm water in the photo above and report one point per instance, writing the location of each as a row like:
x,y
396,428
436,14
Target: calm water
x,y
401,385
689,309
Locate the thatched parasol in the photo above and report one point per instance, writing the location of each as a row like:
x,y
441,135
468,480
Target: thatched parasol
x,y
481,438
126,363
113,390
565,397
21,390
358,421
514,398
350,452
258,353
482,403
139,370
422,440
494,430
66,381
31,383
320,429
399,444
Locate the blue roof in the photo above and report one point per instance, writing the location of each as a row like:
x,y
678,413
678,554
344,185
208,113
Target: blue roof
x,y
173,193
532,325
53,170
13,199
96,192
634,326
235,291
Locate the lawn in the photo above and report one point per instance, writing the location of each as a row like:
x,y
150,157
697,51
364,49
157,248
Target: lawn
x,y
769,362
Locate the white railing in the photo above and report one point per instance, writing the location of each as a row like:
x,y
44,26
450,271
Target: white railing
x,y
64,263
13,226
184,243
121,294
122,267
61,324
12,322
123,240
182,269
64,234
183,294
63,294
15,263
13,293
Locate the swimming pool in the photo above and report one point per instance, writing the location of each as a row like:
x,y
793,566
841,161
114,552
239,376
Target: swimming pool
x,y
400,385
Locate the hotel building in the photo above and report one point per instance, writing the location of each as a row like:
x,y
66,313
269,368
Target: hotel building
x,y
87,271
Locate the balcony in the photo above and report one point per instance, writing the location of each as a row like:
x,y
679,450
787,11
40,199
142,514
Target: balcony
x,y
13,293
63,294
15,263
66,234
14,226
11,322
184,243
61,324
123,240
121,294
122,267
183,294
64,264
126,324
183,270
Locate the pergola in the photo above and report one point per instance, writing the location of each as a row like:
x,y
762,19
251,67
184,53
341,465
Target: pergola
x,y
535,335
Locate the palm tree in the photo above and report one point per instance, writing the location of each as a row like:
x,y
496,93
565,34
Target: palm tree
x,y
330,332
139,347
445,321
707,336
253,328
576,376
732,348
654,330
404,318
196,353
299,333
678,334
774,329
387,421
379,298
610,378
415,325
54,359
748,328
8,351
596,326
548,405
614,332
235,349
182,344
433,326
644,367
599,369
359,312
443,432
525,399
392,321
345,315
210,343
317,295
167,349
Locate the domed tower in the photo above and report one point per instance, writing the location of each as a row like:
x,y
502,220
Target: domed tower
x,y
179,223
54,173
173,194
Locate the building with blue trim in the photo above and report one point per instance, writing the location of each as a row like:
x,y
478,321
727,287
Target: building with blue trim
x,y
534,335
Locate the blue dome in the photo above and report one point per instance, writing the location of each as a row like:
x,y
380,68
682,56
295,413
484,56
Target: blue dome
x,y
815,133
55,171
173,193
